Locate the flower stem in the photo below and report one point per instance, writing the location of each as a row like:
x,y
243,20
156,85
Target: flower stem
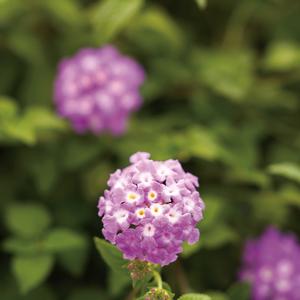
x,y
157,278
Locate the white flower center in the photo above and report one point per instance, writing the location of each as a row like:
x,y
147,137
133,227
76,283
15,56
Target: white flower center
x,y
285,267
156,210
163,172
283,285
70,89
152,195
189,204
140,213
263,290
145,178
173,216
266,274
120,183
108,207
149,230
132,197
172,190
104,102
89,63
117,87
121,216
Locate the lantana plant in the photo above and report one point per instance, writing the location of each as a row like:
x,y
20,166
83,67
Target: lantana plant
x,y
97,89
148,211
271,264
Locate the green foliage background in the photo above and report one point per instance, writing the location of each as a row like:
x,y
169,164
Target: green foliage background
x,y
222,96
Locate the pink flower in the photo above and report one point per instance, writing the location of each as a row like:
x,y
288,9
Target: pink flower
x,y
150,209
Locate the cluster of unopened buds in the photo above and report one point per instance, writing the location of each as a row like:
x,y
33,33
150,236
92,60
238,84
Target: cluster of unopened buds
x,y
139,269
158,294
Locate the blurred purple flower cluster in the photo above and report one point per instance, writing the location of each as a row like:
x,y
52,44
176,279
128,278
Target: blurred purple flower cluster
x,y
150,209
272,265
97,89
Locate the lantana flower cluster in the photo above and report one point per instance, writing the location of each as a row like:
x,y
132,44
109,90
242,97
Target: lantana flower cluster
x,y
97,89
150,209
272,265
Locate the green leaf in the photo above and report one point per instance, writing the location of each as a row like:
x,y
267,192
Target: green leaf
x,y
213,211
109,17
217,296
201,3
27,220
282,56
217,236
111,255
8,108
194,297
63,239
118,282
88,294
79,152
66,12
10,9
27,46
213,236
40,118
18,130
31,271
287,170
18,245
239,291
156,33
227,73
74,261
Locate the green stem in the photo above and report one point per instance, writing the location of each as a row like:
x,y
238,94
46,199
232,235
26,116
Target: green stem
x,y
157,278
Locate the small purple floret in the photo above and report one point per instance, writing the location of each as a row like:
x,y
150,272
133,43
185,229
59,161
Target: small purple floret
x,y
272,265
97,89
150,209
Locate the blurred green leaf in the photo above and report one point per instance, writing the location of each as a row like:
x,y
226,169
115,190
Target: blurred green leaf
x,y
227,73
239,291
287,170
156,33
93,179
10,9
27,46
217,296
40,118
27,220
64,239
18,245
111,255
66,12
78,153
8,108
118,282
88,294
31,271
214,207
109,17
282,56
214,237
194,297
217,236
74,260
270,207
201,3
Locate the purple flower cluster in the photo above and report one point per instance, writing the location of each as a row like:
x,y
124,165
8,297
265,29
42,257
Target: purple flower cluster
x,y
97,89
150,209
272,265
